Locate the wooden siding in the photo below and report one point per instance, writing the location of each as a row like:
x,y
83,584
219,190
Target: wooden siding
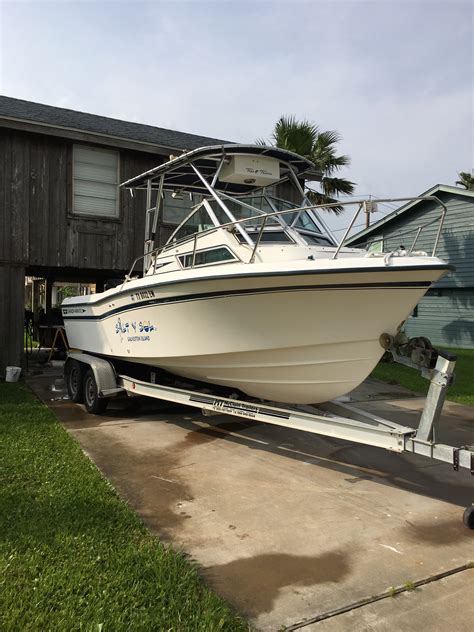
x,y
12,314
37,226
446,315
447,320
457,240
39,233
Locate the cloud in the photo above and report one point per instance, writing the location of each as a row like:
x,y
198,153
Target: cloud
x,y
395,78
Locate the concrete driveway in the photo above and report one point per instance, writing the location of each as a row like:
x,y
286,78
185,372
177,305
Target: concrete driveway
x,y
296,530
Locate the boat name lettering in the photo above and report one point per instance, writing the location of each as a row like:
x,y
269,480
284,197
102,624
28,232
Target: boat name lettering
x,y
134,327
73,310
142,295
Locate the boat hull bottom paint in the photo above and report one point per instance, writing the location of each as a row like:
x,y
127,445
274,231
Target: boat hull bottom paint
x,y
293,346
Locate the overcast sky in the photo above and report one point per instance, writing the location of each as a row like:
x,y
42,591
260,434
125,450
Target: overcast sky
x,y
394,78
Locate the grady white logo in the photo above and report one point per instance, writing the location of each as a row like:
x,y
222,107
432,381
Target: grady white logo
x,y
73,310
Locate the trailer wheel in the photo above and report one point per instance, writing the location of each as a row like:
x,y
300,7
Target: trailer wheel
x,y
94,404
74,383
468,517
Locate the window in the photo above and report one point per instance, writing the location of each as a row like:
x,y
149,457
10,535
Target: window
x,y
318,240
207,257
199,221
268,237
376,246
177,208
259,204
95,181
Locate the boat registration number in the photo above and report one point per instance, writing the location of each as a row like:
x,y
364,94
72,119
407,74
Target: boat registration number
x,y
143,294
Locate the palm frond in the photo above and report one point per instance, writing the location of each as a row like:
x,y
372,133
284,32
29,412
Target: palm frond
x,y
324,152
315,197
329,138
466,180
337,186
305,139
297,136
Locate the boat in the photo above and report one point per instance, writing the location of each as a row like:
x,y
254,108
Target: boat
x,y
252,291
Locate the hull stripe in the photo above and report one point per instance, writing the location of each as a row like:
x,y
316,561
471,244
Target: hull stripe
x,y
157,285
246,292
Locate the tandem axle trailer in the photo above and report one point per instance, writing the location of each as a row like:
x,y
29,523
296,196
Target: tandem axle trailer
x,y
93,380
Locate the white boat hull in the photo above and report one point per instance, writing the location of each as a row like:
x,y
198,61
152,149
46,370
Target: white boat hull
x,y
303,339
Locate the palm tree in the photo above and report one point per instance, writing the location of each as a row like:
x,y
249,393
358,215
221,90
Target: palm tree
x,y
305,139
466,180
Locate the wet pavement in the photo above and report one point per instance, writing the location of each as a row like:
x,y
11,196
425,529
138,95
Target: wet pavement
x,y
289,526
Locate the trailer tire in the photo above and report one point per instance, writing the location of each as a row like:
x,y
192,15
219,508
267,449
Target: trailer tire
x,y
94,404
468,517
73,376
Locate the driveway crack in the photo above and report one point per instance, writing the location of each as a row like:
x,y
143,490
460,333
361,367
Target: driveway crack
x,y
384,595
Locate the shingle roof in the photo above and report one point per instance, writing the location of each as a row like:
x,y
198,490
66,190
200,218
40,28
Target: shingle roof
x,y
81,121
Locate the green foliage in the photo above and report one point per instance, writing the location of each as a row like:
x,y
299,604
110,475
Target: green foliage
x,y
28,342
73,556
305,139
462,391
66,292
466,180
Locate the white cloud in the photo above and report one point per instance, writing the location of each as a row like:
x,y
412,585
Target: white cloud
x,y
395,78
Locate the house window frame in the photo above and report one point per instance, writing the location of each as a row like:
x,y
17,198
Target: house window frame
x,y
104,218
380,247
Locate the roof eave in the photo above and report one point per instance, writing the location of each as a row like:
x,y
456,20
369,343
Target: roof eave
x,y
72,133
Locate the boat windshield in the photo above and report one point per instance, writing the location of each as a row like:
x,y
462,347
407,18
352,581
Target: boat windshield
x,y
243,208
276,228
199,221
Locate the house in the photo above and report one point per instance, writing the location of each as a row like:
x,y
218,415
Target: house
x,y
446,313
62,215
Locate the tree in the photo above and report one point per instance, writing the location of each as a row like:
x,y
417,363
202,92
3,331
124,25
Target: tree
x,y
305,139
466,180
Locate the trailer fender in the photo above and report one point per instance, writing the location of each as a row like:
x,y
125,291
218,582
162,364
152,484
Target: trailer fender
x,y
104,372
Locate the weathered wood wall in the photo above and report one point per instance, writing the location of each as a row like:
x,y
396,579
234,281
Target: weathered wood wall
x,y
37,226
12,313
39,233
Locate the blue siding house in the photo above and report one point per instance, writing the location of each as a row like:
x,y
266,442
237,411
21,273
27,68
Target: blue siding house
x,y
446,313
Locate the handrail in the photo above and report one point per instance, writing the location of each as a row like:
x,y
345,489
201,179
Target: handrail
x,y
257,241
408,231
356,215
266,216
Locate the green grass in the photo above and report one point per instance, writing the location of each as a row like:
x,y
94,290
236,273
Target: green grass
x,y
73,556
27,342
462,391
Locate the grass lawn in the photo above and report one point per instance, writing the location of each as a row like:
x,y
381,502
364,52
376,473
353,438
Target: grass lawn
x,y
462,391
73,556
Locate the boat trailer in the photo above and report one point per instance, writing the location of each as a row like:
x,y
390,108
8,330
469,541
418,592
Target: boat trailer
x,y
93,380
